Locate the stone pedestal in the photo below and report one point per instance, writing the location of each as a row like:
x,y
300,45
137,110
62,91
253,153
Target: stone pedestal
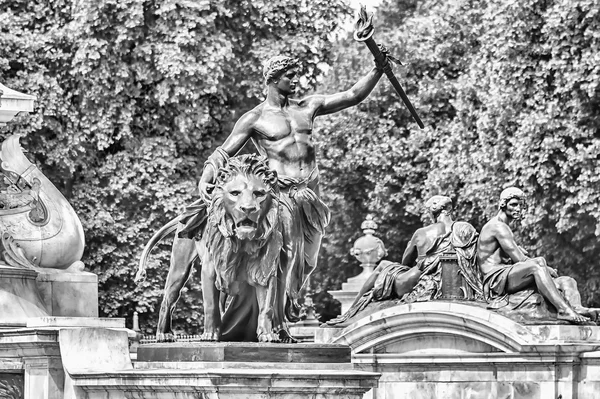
x,y
230,370
88,358
69,294
369,250
244,352
442,349
19,297
27,293
37,354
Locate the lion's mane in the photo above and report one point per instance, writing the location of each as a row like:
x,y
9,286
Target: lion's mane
x,y
252,261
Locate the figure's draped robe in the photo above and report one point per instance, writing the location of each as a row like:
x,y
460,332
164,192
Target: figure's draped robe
x,y
461,240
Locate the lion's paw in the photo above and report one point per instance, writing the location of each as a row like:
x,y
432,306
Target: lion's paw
x,y
268,337
165,337
286,338
210,336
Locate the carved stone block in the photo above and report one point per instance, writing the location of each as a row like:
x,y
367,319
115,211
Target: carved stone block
x,y
11,385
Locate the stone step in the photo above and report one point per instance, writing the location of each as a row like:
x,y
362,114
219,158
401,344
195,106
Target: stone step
x,y
137,365
243,352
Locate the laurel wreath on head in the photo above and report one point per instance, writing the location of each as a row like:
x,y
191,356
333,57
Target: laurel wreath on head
x,y
277,65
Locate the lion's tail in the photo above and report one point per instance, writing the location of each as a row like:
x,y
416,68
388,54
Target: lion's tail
x,y
156,238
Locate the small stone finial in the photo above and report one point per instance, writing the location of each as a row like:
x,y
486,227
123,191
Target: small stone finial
x,y
136,322
369,226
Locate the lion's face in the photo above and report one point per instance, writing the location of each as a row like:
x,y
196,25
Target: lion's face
x,y
246,199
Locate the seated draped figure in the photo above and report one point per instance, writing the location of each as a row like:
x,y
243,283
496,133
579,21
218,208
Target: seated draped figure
x,y
510,276
417,277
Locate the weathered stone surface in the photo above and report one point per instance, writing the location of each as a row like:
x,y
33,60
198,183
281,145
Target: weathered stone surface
x,y
59,322
11,386
226,383
67,293
441,350
244,352
19,297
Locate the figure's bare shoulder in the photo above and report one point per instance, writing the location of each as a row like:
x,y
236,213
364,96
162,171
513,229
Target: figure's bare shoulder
x,y
311,103
495,228
428,233
249,118
255,112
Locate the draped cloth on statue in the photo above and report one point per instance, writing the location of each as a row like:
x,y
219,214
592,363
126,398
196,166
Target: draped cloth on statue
x,y
304,217
461,239
494,286
193,219
382,289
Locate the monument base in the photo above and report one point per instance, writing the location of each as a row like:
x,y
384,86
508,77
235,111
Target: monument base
x,y
441,349
33,359
232,370
88,358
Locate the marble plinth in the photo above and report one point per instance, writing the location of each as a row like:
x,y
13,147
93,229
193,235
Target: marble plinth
x,y
233,370
69,293
57,359
243,352
442,349
38,354
19,297
226,384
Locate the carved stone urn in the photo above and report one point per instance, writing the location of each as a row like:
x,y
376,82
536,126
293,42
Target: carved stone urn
x,y
19,294
369,250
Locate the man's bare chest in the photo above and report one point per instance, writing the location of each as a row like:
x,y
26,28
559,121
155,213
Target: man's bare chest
x,y
277,125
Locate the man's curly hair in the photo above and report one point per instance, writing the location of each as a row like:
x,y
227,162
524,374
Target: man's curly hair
x,y
507,194
275,66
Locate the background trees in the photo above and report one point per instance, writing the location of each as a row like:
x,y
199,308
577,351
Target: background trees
x,y
509,92
133,96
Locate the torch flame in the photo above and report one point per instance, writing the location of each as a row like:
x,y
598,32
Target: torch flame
x,y
363,29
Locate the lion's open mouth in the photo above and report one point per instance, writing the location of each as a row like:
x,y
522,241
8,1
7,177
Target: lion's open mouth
x,y
246,223
245,229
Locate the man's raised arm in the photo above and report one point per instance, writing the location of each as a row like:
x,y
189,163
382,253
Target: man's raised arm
x,y
328,104
241,133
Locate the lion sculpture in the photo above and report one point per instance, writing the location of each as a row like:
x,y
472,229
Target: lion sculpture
x,y
238,244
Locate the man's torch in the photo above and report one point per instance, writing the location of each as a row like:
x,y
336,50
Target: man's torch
x,y
363,32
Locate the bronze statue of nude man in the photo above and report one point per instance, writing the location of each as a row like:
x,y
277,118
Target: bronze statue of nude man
x,y
281,129
502,276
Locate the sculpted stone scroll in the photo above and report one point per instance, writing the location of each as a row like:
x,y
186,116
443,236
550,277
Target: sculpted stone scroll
x,y
41,244
36,220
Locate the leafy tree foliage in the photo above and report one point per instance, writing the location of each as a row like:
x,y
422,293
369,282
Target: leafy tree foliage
x,y
510,94
132,97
